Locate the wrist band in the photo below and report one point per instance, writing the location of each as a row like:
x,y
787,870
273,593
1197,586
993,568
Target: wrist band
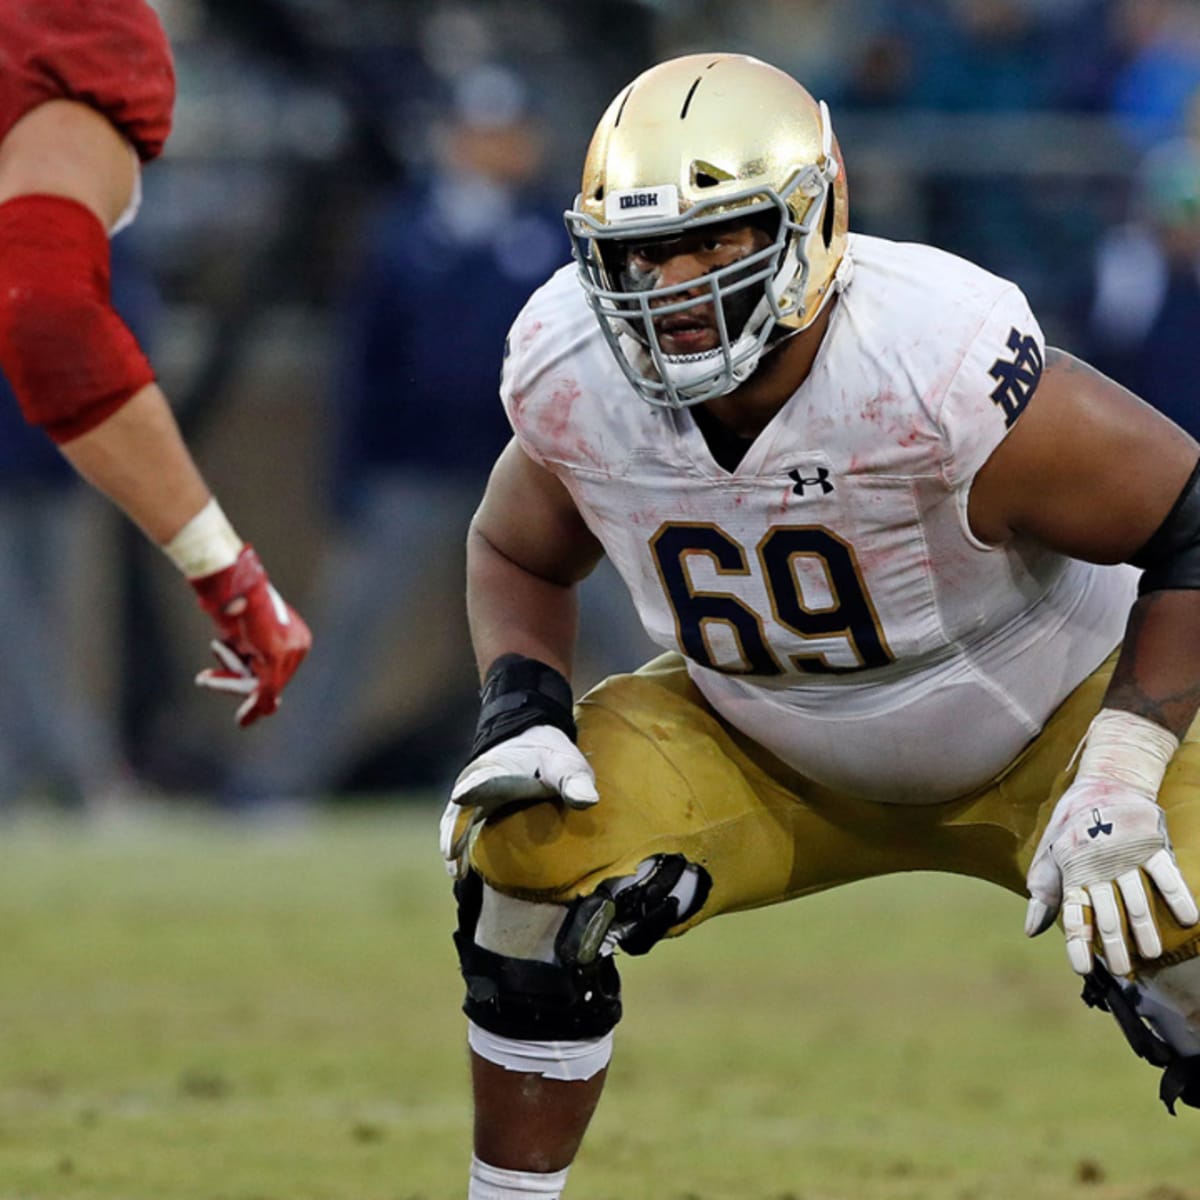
x,y
206,544
1130,749
519,693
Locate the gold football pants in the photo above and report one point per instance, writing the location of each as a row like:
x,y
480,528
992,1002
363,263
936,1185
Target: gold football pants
x,y
674,778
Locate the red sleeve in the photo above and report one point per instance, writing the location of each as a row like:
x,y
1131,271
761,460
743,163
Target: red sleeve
x,y
111,54
70,359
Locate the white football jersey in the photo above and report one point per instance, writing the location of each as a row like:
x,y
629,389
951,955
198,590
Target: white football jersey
x,y
828,593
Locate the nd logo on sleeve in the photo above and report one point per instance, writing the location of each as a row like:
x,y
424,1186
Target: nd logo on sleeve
x,y
1016,381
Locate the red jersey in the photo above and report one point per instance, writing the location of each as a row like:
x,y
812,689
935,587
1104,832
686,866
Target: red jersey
x,y
111,54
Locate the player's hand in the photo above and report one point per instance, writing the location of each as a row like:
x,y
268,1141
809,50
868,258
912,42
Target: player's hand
x,y
1105,837
539,763
261,638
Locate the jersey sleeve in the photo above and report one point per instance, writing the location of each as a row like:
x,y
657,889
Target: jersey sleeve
x,y
517,383
539,382
110,54
998,375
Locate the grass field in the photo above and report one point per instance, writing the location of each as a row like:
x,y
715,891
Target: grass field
x,y
198,1011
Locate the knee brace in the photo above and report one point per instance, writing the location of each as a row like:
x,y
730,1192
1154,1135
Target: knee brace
x,y
70,359
527,999
1153,1031
577,995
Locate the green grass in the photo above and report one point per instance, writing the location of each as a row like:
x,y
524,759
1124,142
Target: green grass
x,y
197,1011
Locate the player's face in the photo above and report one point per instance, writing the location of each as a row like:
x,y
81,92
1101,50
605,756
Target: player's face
x,y
673,262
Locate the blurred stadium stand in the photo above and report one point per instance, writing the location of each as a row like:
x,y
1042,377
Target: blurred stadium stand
x,y
1010,131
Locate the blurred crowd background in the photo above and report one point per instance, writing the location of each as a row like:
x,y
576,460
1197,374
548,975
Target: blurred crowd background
x,y
357,198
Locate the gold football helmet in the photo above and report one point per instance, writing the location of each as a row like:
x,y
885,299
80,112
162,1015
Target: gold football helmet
x,y
698,141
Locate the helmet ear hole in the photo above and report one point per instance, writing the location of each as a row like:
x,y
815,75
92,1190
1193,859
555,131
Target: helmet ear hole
x,y
828,217
768,221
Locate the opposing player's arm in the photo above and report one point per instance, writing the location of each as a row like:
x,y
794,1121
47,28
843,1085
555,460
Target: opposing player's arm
x,y
64,148
66,176
527,549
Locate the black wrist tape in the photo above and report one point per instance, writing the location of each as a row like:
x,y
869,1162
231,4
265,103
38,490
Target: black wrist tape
x,y
518,694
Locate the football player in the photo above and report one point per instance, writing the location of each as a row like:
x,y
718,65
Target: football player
x,y
891,543
86,95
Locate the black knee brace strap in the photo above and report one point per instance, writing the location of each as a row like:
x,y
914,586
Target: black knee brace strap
x,y
1171,557
534,1001
1181,1073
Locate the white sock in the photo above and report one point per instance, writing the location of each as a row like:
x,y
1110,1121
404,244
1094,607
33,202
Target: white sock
x,y
493,1183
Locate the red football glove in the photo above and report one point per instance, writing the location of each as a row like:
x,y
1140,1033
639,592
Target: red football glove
x,y
262,638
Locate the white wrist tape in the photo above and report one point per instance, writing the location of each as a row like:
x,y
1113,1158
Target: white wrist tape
x,y
1127,748
206,544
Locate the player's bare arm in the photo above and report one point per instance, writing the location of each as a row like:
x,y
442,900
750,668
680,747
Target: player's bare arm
x,y
1092,471
528,547
1088,469
64,148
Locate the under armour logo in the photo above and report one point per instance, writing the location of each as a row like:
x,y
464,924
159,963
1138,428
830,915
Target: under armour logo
x,y
820,479
1016,380
1100,827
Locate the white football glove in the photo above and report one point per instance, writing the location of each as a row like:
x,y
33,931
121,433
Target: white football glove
x,y
539,763
1106,832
